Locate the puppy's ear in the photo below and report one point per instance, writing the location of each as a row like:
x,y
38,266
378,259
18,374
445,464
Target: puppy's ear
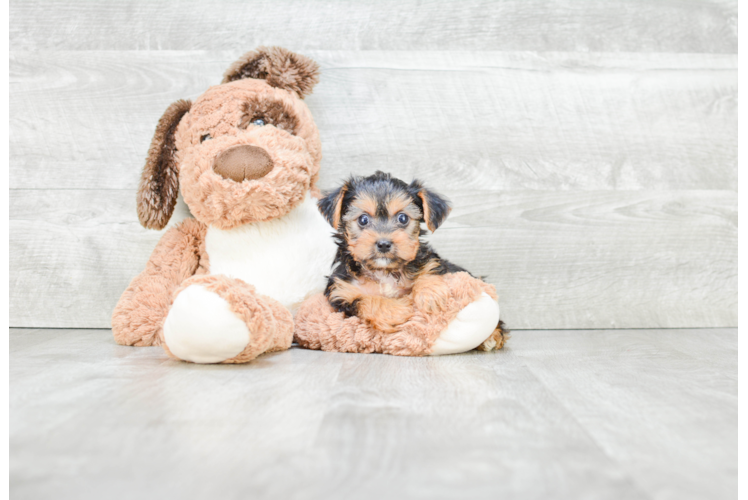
x,y
331,205
159,183
435,207
279,67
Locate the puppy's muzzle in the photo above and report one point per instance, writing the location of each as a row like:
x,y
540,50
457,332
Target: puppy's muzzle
x,y
243,162
384,246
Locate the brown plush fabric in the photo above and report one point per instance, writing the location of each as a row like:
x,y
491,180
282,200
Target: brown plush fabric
x,y
140,313
243,162
270,324
318,326
277,114
225,203
159,184
279,67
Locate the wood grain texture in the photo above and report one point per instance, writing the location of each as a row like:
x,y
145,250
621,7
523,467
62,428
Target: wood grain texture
x,y
743,180
73,253
539,25
477,120
742,408
555,415
597,259
601,259
590,148
742,35
641,394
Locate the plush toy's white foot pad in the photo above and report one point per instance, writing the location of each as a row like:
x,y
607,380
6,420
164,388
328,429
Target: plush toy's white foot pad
x,y
470,328
201,328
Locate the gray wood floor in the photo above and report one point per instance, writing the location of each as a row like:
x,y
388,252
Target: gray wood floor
x,y
646,414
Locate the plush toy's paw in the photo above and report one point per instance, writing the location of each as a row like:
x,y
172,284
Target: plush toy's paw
x,y
431,293
473,325
201,327
217,319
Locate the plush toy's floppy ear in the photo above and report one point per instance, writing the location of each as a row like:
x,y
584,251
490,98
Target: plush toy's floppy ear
x,y
331,205
435,207
279,67
159,183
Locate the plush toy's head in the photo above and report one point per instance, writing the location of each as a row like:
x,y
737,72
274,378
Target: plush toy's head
x,y
245,151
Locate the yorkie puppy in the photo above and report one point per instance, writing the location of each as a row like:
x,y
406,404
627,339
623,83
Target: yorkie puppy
x,y
382,268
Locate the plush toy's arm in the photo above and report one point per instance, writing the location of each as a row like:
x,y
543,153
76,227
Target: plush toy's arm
x,y
139,315
465,320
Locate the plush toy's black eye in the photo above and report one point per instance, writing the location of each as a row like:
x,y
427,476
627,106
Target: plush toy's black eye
x,y
205,138
259,122
363,220
403,219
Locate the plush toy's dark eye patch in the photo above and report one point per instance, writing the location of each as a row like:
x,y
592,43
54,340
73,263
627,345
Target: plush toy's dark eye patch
x,y
268,113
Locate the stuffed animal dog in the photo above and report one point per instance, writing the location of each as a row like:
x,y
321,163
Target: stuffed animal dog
x,y
246,155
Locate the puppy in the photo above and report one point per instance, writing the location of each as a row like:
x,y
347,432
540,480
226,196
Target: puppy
x,y
382,268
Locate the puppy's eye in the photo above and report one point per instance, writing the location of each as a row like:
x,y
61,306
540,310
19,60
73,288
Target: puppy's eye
x,y
259,122
363,220
403,219
205,138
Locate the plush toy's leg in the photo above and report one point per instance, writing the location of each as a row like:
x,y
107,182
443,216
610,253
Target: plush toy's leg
x,y
467,319
474,324
217,319
140,312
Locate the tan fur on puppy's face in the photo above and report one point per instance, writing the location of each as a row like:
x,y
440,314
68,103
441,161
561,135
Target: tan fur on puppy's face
x,y
361,245
222,118
383,225
406,243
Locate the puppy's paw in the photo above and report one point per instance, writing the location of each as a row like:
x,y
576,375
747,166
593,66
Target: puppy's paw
x,y
497,339
390,325
385,314
430,294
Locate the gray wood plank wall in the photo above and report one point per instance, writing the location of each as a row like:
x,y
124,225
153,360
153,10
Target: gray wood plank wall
x,y
590,148
743,180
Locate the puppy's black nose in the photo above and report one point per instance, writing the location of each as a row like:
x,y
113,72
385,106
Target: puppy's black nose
x,y
384,246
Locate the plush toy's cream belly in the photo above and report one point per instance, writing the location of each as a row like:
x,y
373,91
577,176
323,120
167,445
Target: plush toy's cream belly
x,y
286,259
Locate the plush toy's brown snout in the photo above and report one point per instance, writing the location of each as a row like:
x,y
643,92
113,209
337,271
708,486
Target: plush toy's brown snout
x,y
243,162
